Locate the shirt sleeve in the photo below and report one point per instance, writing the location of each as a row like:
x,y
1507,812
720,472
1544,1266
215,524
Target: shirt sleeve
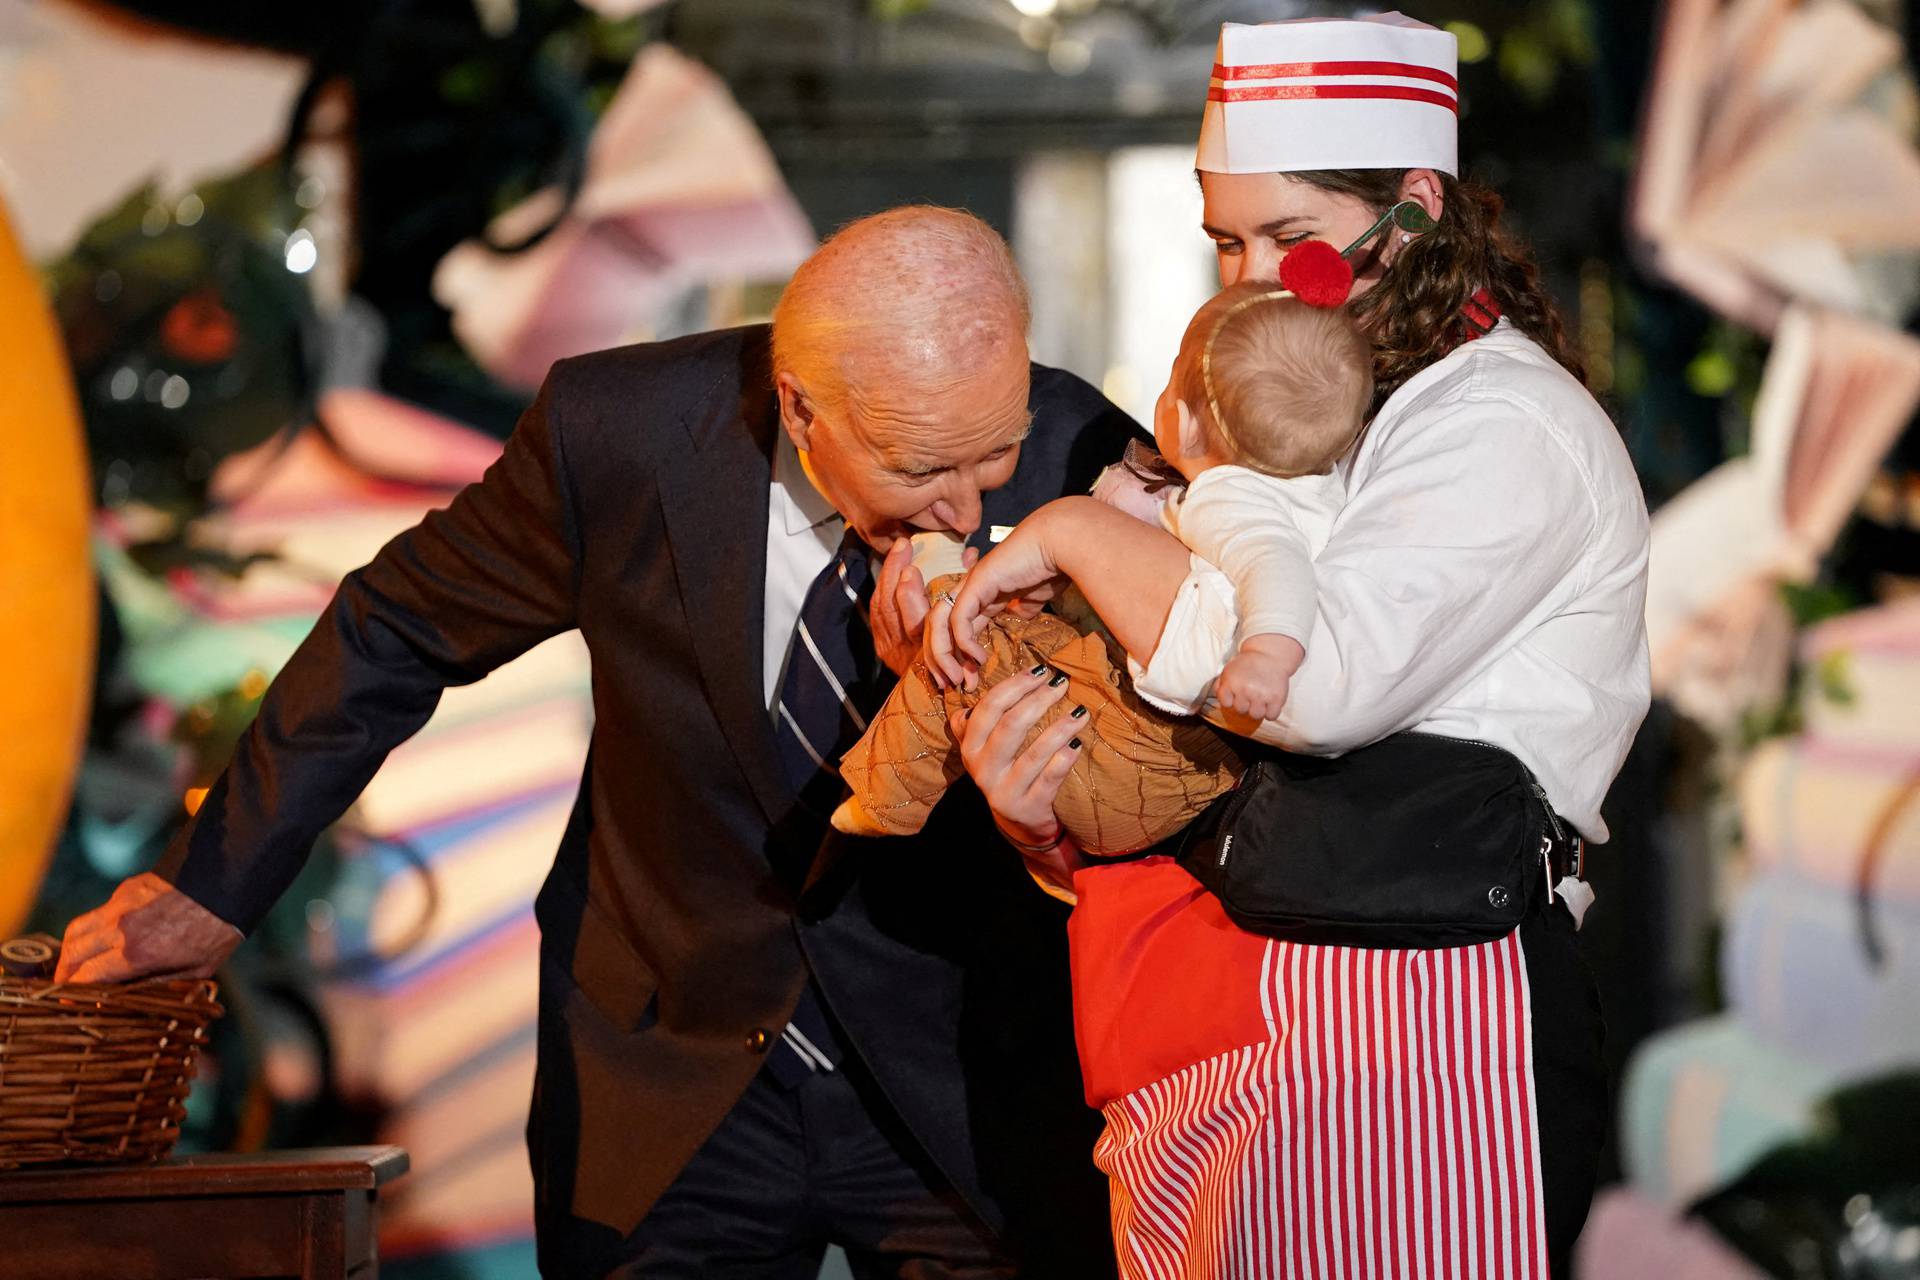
x,y
1241,523
1468,530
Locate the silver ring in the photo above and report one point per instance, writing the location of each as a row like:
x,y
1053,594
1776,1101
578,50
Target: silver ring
x,y
944,595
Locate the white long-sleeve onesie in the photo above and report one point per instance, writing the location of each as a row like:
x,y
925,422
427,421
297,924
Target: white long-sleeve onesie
x,y
1263,533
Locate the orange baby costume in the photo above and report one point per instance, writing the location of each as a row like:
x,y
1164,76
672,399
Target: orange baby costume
x,y
1141,775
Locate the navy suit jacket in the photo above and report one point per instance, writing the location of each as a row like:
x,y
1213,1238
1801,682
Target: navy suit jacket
x,y
631,503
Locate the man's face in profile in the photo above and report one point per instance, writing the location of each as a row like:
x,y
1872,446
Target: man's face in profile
x,y
900,459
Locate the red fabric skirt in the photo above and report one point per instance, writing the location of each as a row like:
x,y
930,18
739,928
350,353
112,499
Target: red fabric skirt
x,y
1284,1110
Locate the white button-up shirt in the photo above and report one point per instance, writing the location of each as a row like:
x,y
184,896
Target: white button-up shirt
x,y
1485,580
803,532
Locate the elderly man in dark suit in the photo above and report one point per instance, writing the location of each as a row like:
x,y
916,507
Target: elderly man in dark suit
x,y
756,1037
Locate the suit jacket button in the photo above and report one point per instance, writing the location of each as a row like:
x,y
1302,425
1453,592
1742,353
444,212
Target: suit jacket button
x,y
758,1039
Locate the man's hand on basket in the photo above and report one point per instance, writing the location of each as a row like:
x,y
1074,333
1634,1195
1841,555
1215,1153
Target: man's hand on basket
x,y
147,929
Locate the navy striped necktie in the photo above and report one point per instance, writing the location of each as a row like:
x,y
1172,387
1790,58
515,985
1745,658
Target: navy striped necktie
x,y
834,684
834,680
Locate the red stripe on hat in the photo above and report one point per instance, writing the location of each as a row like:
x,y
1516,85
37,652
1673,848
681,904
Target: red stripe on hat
x,y
1272,92
1295,70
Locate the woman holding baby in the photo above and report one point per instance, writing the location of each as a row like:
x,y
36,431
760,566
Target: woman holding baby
x,y
1280,1107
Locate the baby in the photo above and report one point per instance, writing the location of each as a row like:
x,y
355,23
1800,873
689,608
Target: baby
x,y
1266,395
1139,775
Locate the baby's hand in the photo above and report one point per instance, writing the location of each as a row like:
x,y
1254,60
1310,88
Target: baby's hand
x,y
1019,576
1255,682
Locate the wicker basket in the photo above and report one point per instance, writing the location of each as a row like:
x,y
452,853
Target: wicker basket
x,y
97,1073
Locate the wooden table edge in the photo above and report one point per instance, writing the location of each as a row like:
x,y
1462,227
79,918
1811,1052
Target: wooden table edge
x,y
317,1169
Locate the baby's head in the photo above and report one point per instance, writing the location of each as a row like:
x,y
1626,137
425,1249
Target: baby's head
x,y
1266,382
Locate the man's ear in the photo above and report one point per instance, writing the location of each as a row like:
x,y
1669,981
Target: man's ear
x,y
796,409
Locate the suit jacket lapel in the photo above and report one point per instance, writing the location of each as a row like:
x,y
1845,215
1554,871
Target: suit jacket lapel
x,y
715,503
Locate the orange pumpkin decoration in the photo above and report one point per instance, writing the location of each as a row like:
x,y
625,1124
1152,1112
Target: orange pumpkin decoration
x,y
46,584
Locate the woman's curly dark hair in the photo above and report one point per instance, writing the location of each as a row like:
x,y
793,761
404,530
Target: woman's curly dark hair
x,y
1413,314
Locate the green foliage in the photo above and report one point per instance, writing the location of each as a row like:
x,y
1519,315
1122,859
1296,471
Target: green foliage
x,y
1629,370
600,97
1816,602
1471,41
189,327
1833,679
1728,368
468,83
617,41
1830,679
1529,64
1777,720
1552,36
135,237
1712,374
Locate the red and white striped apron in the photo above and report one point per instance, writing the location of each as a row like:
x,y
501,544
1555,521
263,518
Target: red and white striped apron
x,y
1280,1110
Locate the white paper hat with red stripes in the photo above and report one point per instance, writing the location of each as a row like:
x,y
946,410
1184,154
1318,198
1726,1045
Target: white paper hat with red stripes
x,y
1373,93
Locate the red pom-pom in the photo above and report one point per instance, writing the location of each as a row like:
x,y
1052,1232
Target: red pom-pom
x,y
1315,273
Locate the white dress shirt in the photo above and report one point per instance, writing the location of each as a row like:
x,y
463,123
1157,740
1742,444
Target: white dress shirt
x,y
1263,532
1486,580
803,532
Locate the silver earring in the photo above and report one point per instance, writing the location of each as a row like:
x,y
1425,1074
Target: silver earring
x,y
1406,237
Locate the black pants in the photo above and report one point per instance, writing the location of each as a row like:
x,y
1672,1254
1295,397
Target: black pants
x,y
790,1171
1569,1078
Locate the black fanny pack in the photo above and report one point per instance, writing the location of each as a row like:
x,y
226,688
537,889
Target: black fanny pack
x,y
1415,841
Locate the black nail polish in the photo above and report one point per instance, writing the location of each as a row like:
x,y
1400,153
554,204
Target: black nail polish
x,y
1039,670
1075,744
1079,712
1059,679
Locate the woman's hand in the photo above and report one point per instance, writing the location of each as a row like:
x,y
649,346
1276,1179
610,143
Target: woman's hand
x,y
1020,785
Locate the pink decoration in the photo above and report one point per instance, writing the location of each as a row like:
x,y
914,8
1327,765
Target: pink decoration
x,y
681,193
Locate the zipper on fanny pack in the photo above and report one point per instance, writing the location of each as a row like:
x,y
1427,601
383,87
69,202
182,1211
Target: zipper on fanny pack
x,y
1546,848
1553,819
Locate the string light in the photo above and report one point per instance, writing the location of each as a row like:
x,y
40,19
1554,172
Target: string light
x,y
301,252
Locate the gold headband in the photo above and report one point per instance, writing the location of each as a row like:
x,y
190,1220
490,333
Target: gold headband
x,y
1206,371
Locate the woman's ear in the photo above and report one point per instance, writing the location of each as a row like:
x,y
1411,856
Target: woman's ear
x,y
1423,187
796,409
